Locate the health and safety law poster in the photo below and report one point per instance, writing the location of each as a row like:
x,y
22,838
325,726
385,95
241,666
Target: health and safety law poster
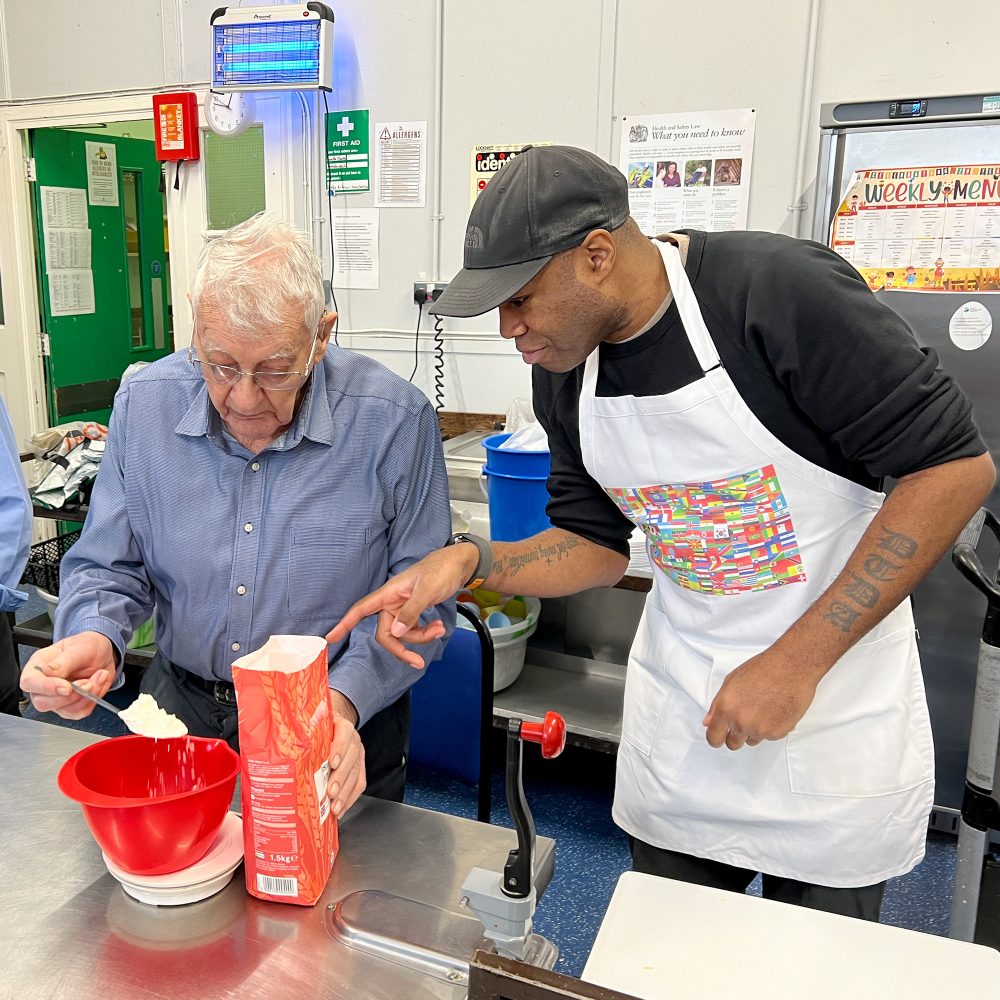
x,y
688,170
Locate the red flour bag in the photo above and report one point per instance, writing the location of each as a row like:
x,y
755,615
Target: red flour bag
x,y
286,727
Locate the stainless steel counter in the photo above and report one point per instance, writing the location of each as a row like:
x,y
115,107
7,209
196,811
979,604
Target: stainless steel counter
x,y
69,930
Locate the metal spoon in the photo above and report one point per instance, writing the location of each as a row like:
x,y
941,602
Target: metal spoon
x,y
81,691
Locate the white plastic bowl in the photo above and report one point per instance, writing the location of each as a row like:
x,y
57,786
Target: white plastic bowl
x,y
50,603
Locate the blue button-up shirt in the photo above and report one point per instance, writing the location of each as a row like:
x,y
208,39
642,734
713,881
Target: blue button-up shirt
x,y
15,517
234,547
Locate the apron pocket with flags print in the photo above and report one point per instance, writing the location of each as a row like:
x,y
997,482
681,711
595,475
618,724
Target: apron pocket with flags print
x,y
874,736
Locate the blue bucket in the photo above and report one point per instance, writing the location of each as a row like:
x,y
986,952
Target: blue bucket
x,y
516,490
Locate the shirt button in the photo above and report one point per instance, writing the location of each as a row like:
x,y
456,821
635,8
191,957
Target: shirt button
x,y
241,589
255,466
235,646
248,527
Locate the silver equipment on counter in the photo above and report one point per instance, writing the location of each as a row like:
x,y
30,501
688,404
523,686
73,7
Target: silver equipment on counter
x,y
981,804
505,903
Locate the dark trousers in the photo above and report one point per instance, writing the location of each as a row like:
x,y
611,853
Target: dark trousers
x,y
10,670
385,736
865,902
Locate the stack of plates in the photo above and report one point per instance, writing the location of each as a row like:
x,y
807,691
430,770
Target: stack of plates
x,y
198,881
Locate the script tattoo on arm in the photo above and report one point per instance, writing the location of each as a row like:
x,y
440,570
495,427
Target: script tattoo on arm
x,y
513,564
842,615
881,566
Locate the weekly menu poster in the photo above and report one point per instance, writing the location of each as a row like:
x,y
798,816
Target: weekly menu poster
x,y
923,228
689,169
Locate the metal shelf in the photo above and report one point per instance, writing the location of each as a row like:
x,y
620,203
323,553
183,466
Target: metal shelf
x,y
588,694
37,632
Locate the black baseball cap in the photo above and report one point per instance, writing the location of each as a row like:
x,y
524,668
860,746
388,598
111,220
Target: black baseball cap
x,y
546,200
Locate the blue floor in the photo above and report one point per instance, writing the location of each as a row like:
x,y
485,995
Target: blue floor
x,y
570,798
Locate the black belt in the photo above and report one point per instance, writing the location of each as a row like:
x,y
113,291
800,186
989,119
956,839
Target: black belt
x,y
222,691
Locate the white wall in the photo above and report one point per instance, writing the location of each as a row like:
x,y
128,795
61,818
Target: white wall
x,y
558,70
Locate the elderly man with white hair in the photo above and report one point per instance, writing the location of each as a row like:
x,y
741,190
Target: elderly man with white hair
x,y
257,483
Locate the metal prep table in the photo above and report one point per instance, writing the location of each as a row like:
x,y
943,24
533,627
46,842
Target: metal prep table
x,y
69,929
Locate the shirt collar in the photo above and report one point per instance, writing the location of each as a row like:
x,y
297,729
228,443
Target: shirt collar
x,y
194,423
313,419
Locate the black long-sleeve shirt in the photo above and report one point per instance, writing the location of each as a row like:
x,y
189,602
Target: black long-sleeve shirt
x,y
827,369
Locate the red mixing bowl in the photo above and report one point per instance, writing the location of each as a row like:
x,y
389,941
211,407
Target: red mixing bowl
x,y
154,806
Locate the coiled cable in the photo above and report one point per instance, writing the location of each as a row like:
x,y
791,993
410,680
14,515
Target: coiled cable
x,y
438,364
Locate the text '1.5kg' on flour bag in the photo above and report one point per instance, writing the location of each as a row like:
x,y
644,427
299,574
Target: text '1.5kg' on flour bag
x,y
286,728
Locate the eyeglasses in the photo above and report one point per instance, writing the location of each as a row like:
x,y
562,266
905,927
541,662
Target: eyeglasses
x,y
228,375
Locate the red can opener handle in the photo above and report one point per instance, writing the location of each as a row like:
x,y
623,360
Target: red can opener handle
x,y
550,734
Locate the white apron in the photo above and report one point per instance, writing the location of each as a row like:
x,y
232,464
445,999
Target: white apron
x,y
743,536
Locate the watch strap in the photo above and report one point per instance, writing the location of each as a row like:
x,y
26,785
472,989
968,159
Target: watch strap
x,y
485,564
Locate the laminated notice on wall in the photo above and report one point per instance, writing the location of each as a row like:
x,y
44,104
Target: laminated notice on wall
x,y
355,242
63,208
922,228
488,160
71,291
67,243
400,164
688,169
67,248
102,173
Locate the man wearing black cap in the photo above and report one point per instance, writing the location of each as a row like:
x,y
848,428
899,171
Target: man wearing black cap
x,y
738,397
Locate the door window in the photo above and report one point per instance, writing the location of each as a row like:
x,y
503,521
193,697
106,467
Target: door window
x,y
131,197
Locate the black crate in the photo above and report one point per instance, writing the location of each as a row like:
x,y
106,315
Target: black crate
x,y
42,569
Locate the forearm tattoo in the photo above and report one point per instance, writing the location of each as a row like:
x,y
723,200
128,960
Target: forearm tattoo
x,y
882,565
512,564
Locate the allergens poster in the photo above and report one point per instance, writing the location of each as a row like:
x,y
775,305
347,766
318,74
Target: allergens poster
x,y
400,164
688,170
923,228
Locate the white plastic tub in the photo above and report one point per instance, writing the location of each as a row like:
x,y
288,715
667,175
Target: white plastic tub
x,y
510,644
50,603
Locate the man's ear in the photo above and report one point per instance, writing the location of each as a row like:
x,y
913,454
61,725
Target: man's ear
x,y
325,330
599,253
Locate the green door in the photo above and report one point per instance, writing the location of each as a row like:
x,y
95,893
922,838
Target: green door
x,y
102,267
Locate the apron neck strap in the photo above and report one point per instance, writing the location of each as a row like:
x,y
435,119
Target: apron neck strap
x,y
691,319
687,305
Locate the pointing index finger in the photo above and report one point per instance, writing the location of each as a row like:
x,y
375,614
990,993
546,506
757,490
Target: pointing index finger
x,y
355,613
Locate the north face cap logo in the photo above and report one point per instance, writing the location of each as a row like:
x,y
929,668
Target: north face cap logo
x,y
474,238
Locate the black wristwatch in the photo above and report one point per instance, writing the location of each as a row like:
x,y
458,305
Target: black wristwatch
x,y
485,564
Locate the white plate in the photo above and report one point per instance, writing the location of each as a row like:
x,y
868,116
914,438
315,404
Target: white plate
x,y
198,881
182,895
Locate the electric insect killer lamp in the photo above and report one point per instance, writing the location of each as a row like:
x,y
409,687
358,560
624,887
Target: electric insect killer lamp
x,y
278,47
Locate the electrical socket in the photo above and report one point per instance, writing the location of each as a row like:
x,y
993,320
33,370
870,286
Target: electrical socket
x,y
425,292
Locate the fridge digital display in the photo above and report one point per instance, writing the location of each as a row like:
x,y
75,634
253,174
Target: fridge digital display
x,y
908,109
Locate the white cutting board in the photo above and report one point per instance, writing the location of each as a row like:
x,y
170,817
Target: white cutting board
x,y
667,940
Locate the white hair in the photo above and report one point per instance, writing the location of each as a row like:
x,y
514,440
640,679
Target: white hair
x,y
257,273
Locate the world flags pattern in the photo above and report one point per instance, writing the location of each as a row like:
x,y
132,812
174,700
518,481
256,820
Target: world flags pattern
x,y
726,536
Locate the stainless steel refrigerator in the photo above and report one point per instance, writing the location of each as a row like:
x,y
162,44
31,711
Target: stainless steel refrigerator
x,y
914,133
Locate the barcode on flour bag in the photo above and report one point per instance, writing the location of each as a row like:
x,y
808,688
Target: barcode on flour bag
x,y
286,728
270,886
